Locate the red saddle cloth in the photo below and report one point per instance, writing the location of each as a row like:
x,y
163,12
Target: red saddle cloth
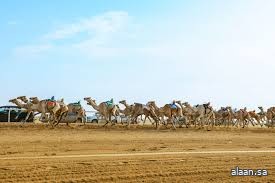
x,y
51,104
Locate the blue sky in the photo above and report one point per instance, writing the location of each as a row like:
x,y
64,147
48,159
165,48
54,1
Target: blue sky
x,y
196,51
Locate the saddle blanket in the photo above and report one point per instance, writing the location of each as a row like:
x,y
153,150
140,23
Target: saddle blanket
x,y
173,106
51,104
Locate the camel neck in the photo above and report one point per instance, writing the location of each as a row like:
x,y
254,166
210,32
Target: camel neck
x,y
126,105
20,104
93,104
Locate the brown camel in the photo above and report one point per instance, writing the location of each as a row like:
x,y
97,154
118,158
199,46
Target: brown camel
x,y
270,115
61,112
167,111
107,111
256,117
262,114
243,117
225,115
202,114
23,98
77,109
128,110
57,109
30,108
186,115
41,107
141,109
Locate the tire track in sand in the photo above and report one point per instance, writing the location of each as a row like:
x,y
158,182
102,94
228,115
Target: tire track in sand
x,y
135,154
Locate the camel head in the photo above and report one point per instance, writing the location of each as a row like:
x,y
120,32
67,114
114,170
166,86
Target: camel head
x,y
178,102
13,100
229,108
23,98
34,100
261,108
89,100
186,104
151,103
122,102
207,104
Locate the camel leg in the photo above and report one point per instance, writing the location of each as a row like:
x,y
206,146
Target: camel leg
x,y
150,119
144,120
244,122
60,118
173,123
115,121
107,121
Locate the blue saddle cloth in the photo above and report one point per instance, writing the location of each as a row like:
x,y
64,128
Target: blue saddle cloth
x,y
173,106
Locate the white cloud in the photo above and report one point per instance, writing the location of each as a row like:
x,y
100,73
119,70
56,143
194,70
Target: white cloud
x,y
106,23
102,34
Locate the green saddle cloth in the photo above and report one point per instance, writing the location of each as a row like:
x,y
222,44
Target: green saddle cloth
x,y
76,103
51,99
109,103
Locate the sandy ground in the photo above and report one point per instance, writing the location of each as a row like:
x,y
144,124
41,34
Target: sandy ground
x,y
35,153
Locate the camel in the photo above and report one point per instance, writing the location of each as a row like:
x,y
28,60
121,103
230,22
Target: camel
x,y
23,98
225,115
210,116
186,115
104,109
41,107
57,109
243,117
77,109
128,111
27,106
32,107
256,117
167,111
141,109
61,112
201,114
262,114
270,115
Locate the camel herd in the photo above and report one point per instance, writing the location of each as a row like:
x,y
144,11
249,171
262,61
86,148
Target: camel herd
x,y
176,114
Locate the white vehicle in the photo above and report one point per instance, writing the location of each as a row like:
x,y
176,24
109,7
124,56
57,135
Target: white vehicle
x,y
92,119
72,117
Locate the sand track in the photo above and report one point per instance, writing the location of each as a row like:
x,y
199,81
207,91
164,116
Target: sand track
x,y
34,153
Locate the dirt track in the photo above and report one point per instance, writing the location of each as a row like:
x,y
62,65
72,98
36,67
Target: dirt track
x,y
78,147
